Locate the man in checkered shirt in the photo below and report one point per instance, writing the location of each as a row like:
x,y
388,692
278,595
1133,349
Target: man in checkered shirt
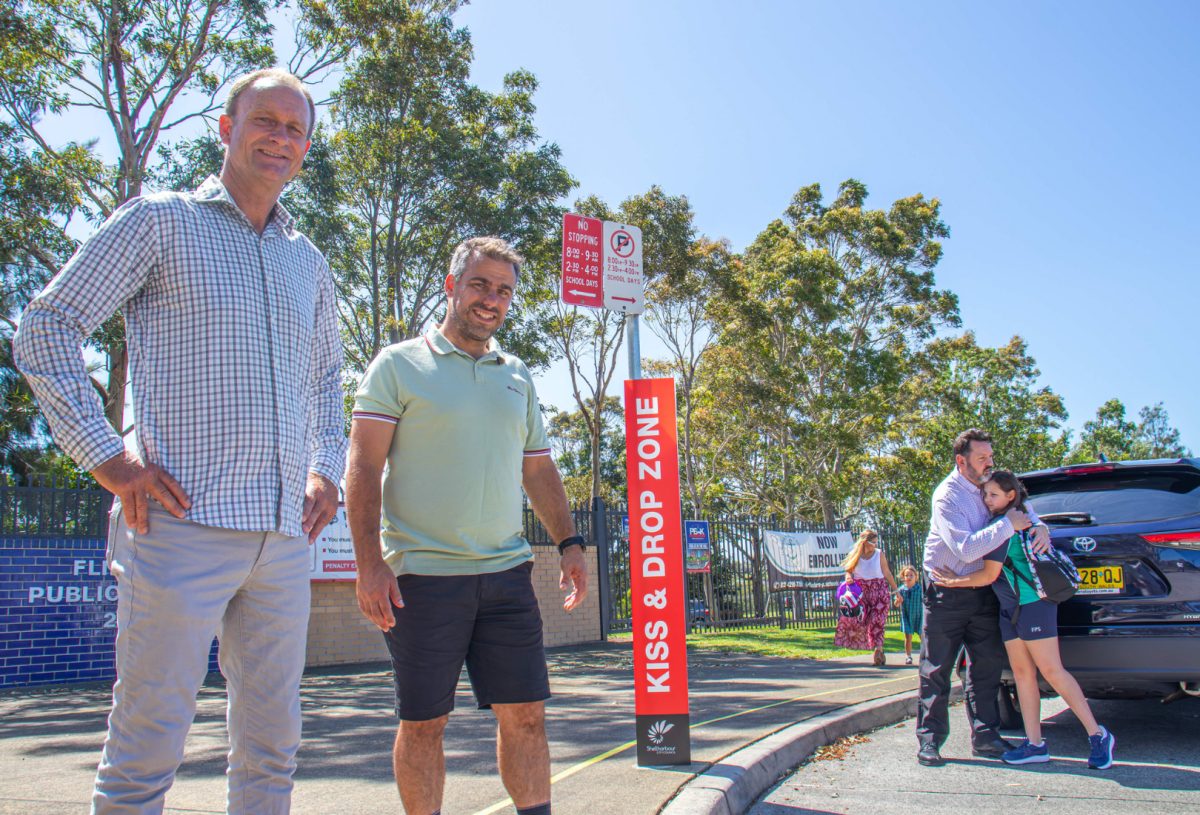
x,y
235,362
961,532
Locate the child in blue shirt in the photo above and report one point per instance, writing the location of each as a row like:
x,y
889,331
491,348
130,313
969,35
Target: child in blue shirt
x,y
909,598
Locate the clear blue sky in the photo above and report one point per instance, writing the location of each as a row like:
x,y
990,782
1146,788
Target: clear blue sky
x,y
1061,139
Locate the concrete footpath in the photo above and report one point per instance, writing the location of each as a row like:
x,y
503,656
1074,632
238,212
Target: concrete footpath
x,y
50,739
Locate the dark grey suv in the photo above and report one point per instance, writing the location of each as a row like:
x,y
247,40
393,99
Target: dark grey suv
x,y
1133,530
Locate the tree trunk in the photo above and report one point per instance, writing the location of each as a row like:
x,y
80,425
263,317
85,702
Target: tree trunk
x,y
118,367
595,431
828,510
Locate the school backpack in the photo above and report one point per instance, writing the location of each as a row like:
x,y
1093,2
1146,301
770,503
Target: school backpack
x,y
849,597
1055,577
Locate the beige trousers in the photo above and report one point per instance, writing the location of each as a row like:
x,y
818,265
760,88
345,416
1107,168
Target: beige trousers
x,y
178,586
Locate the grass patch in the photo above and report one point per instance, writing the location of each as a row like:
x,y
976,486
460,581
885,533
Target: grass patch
x,y
792,643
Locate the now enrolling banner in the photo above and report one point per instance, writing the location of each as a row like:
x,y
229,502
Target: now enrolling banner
x,y
656,574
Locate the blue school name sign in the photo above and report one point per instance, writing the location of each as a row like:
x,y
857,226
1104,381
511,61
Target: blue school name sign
x,y
58,612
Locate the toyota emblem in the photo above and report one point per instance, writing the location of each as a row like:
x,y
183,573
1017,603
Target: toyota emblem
x,y
1084,544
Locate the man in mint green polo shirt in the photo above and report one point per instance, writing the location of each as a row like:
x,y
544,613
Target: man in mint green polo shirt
x,y
457,423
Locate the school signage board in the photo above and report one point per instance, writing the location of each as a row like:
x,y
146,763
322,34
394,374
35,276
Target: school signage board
x,y
656,574
331,556
805,560
699,549
602,265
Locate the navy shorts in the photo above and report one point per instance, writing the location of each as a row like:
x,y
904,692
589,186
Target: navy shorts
x,y
489,621
1037,621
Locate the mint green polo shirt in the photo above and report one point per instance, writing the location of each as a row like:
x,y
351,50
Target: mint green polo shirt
x,y
452,487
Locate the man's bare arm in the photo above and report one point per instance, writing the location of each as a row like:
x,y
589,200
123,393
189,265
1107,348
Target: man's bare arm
x,y
543,485
370,441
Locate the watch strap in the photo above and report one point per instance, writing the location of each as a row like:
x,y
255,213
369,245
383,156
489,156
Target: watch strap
x,y
574,540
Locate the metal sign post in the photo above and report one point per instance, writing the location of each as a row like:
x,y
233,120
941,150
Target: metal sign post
x,y
602,268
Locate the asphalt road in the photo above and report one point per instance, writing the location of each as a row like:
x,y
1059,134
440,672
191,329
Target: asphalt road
x,y
1156,770
50,739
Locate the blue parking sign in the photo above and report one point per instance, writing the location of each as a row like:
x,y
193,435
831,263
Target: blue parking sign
x,y
697,546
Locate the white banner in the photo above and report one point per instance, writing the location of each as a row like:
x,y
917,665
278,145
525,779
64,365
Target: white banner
x,y
806,560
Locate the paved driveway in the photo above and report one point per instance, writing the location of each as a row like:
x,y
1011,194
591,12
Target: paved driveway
x,y
50,740
1157,755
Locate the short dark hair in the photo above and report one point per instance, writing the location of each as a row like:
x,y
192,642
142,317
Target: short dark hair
x,y
962,444
277,76
488,246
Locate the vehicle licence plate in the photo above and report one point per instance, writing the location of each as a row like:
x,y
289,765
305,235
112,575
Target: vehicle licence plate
x,y
1101,579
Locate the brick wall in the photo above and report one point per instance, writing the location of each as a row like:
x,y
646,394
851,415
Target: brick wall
x,y
339,634
58,613
582,624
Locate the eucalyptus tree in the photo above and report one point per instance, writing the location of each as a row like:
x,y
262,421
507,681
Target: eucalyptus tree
x,y
827,313
677,314
136,68
423,160
1112,436
958,384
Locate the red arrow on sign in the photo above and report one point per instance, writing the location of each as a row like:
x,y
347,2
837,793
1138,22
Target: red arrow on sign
x,y
626,299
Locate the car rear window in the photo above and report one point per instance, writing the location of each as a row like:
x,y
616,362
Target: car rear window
x,y
1118,497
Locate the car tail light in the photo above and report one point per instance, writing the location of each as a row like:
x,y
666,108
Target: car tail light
x,y
1084,469
1188,539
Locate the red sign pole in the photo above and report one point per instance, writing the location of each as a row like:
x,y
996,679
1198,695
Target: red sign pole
x,y
656,574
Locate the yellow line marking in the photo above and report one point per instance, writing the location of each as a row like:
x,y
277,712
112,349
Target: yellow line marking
x,y
583,765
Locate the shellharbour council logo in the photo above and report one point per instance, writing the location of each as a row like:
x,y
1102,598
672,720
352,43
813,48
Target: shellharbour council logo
x,y
658,731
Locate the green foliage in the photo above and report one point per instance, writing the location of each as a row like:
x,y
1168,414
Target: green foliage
x,y
422,159
571,440
1112,437
1156,437
818,327
955,385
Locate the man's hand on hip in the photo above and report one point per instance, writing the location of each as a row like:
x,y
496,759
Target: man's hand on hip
x,y
574,577
320,504
135,482
377,592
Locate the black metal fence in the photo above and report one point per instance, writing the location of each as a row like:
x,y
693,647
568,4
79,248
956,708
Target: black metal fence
x,y
733,594
52,508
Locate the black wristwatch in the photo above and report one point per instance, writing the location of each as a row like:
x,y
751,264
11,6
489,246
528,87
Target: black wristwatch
x,y
574,540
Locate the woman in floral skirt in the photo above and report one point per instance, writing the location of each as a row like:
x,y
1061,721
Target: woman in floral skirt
x,y
867,564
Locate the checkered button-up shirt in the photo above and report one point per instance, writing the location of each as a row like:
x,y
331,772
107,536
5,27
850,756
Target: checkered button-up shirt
x,y
961,531
234,354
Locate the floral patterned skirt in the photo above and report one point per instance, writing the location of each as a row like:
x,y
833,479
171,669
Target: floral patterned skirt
x,y
865,632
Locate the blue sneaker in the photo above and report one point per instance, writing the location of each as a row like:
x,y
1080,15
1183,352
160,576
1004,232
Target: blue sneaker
x,y
1026,753
1102,749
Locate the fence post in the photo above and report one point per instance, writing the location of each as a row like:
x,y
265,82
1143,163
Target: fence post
x,y
912,549
600,541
